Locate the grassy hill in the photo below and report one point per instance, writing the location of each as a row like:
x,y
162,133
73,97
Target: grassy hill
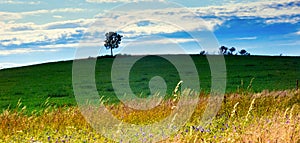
x,y
34,84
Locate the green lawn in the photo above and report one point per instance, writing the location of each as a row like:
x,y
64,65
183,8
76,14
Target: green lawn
x,y
34,84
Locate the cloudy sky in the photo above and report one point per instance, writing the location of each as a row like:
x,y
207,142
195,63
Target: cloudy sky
x,y
38,31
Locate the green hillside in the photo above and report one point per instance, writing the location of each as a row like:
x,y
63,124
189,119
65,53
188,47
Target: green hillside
x,y
34,84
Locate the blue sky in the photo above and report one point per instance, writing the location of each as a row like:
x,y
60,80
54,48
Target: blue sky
x,y
38,31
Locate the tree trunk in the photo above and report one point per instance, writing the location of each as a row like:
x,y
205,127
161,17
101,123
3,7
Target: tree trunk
x,y
111,52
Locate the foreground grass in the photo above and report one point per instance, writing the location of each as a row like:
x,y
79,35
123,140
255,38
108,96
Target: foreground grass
x,y
243,117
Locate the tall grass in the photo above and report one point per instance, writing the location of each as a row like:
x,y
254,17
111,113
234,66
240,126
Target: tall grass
x,y
244,117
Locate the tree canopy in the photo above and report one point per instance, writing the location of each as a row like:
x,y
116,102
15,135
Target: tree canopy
x,y
113,39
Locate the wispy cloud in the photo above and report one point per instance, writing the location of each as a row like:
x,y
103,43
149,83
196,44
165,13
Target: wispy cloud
x,y
279,11
78,23
20,2
57,16
9,16
159,41
120,1
9,65
18,34
23,51
246,38
293,43
79,44
59,46
39,36
61,10
20,15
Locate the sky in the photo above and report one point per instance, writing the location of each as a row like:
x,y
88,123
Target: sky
x,y
40,31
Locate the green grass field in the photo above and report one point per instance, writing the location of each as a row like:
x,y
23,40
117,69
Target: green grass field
x,y
38,104
34,84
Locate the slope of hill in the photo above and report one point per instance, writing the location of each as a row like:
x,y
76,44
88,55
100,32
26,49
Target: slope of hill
x,y
34,84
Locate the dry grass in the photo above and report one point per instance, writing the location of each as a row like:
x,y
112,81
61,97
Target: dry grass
x,y
243,117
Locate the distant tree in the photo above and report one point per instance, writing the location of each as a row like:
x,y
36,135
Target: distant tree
x,y
202,53
244,52
113,39
223,50
232,49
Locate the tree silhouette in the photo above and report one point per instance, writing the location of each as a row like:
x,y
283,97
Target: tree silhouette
x,y
244,52
113,39
223,50
232,49
202,53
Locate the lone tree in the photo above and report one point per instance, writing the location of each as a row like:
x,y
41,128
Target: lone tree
x,y
113,39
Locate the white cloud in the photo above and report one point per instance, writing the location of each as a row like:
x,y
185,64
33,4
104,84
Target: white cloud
x,y
57,16
262,9
149,30
22,51
162,21
293,43
20,15
23,37
20,2
188,18
292,20
61,10
246,38
22,33
119,1
9,16
68,24
56,46
158,41
83,44
15,27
